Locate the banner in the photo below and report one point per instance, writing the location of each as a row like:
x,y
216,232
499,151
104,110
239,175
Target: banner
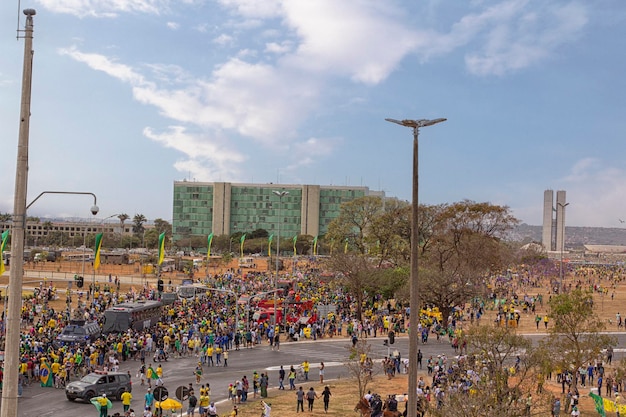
x,y
345,246
599,404
242,240
96,261
269,244
208,252
315,246
3,243
161,247
295,239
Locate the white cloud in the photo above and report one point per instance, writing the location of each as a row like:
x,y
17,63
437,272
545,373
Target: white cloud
x,y
223,39
278,48
105,8
172,25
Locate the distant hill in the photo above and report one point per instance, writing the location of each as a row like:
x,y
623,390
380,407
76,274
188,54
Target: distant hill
x,y
575,237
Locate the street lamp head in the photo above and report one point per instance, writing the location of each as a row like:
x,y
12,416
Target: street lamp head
x,y
281,193
94,209
416,123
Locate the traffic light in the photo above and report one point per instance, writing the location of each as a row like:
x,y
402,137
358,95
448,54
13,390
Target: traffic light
x,y
80,281
392,337
160,285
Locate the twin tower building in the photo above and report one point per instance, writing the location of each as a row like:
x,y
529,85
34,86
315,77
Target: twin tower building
x,y
553,234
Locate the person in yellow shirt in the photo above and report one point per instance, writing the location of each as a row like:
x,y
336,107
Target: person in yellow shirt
x,y
103,402
305,368
126,398
204,402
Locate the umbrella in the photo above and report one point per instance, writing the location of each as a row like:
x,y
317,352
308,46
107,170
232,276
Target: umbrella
x,y
169,404
95,401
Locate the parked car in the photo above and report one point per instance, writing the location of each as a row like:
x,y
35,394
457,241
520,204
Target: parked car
x,y
78,332
113,384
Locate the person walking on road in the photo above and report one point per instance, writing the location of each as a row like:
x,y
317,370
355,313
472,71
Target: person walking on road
x,y
126,398
321,372
292,379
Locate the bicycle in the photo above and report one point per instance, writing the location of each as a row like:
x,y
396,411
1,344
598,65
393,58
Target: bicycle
x,y
300,376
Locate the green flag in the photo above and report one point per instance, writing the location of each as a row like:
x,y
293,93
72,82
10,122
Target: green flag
x,y
345,246
96,261
295,239
315,246
161,247
208,252
3,243
242,240
269,244
599,404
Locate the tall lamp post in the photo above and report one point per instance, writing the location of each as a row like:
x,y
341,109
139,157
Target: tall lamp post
x,y
562,206
414,312
280,195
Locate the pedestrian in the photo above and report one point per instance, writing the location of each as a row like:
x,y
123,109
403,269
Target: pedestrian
x,y
300,399
556,408
305,368
225,355
267,409
321,372
281,378
148,399
103,403
126,398
292,379
311,395
191,405
198,372
212,410
263,383
326,397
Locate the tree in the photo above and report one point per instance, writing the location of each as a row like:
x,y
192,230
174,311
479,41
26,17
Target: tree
x,y
357,367
355,220
138,222
575,337
163,226
123,217
390,233
460,245
356,273
495,378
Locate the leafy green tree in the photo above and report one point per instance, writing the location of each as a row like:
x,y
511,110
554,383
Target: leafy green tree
x,y
356,272
138,224
162,226
461,245
575,336
355,220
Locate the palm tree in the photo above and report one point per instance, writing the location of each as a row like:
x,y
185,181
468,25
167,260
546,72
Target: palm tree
x,y
123,217
138,222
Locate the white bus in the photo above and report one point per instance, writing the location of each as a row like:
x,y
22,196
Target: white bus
x,y
192,291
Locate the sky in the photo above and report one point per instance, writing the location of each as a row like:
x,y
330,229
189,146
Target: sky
x,y
129,96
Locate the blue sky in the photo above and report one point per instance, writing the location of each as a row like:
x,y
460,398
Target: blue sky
x,y
131,95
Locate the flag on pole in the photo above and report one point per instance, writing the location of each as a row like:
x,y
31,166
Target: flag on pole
x,y
345,246
295,239
3,243
332,245
161,247
208,252
269,244
315,246
96,261
242,240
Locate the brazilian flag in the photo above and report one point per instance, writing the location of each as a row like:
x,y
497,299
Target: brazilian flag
x,y
45,374
599,404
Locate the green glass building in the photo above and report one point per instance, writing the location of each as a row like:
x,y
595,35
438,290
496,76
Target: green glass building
x,y
224,208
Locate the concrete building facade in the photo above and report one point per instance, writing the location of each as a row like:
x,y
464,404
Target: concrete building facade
x,y
223,208
553,230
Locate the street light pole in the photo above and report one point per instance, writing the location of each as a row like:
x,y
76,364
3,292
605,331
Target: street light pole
x,y
414,313
280,195
562,207
8,407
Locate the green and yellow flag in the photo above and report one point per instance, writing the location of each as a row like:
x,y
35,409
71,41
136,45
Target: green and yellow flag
x,y
241,241
161,247
295,239
315,246
599,403
45,374
96,261
345,246
208,252
3,243
269,244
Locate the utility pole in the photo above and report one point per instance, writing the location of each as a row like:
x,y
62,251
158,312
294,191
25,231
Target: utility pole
x,y
8,408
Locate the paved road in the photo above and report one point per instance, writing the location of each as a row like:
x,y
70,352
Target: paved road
x,y
44,402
